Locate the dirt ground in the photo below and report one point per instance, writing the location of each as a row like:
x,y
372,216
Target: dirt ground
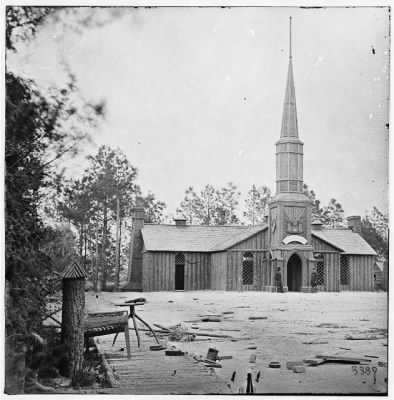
x,y
293,320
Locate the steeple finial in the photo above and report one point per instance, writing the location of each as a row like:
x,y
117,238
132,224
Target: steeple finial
x,y
290,56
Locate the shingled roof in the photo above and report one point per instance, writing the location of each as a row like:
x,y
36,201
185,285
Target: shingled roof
x,y
346,241
198,238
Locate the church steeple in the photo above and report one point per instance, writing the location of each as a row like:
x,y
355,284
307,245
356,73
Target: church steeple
x,y
289,118
289,149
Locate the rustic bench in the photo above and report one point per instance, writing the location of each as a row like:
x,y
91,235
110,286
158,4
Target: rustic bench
x,y
106,323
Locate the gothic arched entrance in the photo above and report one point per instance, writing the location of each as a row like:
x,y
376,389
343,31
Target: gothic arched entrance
x,y
294,273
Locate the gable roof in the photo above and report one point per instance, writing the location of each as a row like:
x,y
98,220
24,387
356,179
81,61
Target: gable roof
x,y
199,238
345,240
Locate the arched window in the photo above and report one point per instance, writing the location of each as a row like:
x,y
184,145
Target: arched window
x,y
247,269
319,268
344,271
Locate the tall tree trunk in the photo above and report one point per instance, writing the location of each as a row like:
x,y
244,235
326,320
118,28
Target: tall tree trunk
x,y
104,271
96,263
117,255
85,244
81,241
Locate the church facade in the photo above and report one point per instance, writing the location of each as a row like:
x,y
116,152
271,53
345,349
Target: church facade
x,y
187,257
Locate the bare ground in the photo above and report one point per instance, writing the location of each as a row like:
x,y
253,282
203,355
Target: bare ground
x,y
292,320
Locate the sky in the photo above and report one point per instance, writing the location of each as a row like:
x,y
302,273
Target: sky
x,y
195,95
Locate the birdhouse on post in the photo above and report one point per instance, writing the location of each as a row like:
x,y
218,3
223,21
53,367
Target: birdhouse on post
x,y
73,316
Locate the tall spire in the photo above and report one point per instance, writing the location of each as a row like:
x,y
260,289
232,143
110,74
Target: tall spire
x,y
289,149
289,118
290,56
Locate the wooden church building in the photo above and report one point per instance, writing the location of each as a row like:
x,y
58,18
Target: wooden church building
x,y
189,257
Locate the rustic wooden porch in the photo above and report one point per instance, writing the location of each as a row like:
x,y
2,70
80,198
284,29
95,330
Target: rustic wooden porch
x,y
152,372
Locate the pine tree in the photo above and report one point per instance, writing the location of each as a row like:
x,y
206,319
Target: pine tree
x,y
256,204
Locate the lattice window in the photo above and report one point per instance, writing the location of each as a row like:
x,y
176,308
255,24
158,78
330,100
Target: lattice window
x,y
344,272
247,269
179,259
319,269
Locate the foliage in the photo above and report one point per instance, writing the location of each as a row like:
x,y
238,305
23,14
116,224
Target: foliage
x,y
374,229
256,204
227,204
211,206
333,214
100,206
23,22
37,134
316,210
59,244
190,205
153,208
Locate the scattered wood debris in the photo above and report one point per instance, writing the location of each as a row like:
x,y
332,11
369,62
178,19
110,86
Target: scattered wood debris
x,y
220,358
313,362
315,342
157,347
323,359
174,353
181,333
291,364
330,325
366,337
207,363
211,319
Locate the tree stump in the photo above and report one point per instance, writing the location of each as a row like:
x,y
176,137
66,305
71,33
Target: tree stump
x,y
73,317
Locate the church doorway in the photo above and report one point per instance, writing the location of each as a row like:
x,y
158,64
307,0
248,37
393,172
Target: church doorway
x,y
294,274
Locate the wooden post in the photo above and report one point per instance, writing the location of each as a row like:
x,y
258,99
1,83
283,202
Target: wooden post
x,y
73,317
249,384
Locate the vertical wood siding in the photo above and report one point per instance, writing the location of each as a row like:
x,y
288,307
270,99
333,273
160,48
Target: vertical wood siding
x,y
331,269
319,245
159,271
234,270
218,271
361,272
258,241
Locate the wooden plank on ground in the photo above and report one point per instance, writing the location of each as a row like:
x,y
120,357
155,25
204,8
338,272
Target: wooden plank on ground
x,y
152,372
